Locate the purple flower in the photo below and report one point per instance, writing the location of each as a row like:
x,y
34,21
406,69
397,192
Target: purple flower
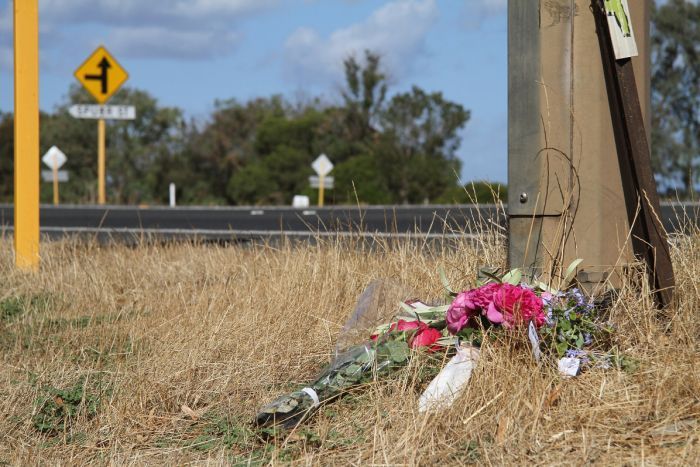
x,y
580,354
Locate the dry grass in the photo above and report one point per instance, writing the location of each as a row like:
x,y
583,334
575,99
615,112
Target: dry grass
x,y
222,330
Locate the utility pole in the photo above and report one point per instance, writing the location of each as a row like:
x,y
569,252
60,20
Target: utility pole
x,y
566,197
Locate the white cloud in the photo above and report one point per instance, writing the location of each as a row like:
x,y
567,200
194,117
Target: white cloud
x,y
132,12
396,31
157,42
183,29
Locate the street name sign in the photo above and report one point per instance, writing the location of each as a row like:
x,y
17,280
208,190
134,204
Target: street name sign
x,y
108,112
101,75
322,165
61,175
54,158
315,181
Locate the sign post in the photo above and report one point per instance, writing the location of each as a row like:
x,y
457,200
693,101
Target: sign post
x,y
323,166
101,75
26,38
101,171
54,159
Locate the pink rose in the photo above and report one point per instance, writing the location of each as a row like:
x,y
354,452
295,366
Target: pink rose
x,y
460,311
514,306
471,303
483,296
403,325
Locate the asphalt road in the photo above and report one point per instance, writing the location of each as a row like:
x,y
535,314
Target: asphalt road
x,y
253,222
247,222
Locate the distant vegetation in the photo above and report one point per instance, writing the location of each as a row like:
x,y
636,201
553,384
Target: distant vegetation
x,y
676,96
398,148
386,147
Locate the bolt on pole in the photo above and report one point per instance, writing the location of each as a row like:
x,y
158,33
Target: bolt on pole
x,y
26,202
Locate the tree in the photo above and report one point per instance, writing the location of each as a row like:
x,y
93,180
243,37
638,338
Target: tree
x,y
420,141
676,93
479,192
225,145
144,153
359,179
7,158
365,94
140,155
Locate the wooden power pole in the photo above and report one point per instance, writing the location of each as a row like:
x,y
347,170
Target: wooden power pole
x,y
569,196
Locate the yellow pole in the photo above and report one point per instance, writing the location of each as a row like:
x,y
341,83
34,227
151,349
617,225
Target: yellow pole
x,y
321,180
26,35
55,183
101,161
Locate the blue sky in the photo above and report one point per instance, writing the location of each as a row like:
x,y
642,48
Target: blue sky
x,y
188,53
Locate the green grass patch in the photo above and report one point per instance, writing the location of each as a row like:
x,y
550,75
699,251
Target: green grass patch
x,y
12,308
57,409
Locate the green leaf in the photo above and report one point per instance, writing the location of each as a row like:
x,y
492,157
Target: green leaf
x,y
366,357
545,288
433,309
491,276
398,351
352,370
446,283
562,347
570,270
513,277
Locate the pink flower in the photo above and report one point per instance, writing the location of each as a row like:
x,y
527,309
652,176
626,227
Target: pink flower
x,y
504,304
402,325
471,303
461,311
483,296
426,337
515,305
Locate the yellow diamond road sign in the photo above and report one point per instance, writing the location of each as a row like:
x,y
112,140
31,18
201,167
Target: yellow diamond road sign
x,y
101,75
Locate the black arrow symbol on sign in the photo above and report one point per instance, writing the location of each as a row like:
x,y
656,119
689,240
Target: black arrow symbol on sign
x,y
104,65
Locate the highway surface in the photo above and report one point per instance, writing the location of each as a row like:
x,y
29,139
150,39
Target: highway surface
x,y
231,223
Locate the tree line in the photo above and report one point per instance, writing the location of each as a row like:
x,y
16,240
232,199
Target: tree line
x,y
393,150
386,149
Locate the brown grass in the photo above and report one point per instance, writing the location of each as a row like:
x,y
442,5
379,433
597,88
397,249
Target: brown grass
x,y
223,330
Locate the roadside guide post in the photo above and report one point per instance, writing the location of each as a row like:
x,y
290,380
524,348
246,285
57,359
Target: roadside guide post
x,y
323,166
566,170
101,75
26,202
54,159
171,192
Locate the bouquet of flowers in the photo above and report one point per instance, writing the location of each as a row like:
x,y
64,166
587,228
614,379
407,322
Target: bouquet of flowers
x,y
562,324
385,349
